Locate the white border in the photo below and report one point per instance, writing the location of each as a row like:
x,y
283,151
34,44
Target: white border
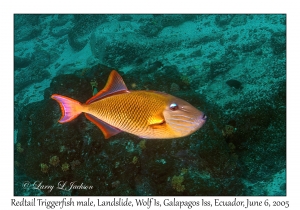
x,y
8,8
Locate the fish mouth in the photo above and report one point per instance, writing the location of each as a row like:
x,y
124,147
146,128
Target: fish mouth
x,y
202,119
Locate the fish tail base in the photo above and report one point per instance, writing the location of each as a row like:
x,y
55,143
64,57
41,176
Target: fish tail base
x,y
70,108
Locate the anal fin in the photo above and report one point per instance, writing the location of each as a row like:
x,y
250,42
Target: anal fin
x,y
106,129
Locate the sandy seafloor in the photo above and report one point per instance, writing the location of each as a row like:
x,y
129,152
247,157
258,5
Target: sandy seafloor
x,y
208,50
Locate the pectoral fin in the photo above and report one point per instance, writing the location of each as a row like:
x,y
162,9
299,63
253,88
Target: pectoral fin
x,y
157,121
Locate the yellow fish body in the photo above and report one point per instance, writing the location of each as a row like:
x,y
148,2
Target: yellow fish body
x,y
147,114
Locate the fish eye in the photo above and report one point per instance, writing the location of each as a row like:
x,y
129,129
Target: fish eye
x,y
173,106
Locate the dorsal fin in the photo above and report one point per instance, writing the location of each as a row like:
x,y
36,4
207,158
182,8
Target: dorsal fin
x,y
114,85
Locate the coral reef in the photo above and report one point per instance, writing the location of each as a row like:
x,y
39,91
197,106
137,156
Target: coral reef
x,y
174,87
177,183
44,168
142,144
54,160
65,167
228,130
19,148
135,159
80,141
74,163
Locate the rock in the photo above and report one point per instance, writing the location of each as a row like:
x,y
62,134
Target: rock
x,y
278,42
79,35
223,20
234,83
21,62
219,67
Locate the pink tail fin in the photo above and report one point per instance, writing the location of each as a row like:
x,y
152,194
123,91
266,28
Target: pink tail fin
x,y
70,108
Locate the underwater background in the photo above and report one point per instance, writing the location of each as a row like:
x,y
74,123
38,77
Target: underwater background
x,y
232,67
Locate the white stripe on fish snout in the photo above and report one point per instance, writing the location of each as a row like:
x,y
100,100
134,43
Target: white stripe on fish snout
x,y
182,126
180,115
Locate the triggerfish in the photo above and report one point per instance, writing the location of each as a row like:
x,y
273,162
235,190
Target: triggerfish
x,y
147,114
